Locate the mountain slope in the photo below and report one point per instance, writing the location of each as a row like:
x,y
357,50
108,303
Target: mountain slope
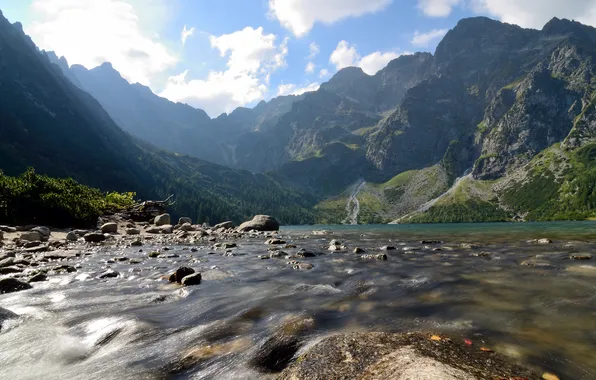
x,y
50,124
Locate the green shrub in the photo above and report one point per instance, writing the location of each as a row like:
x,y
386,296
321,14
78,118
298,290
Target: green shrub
x,y
32,198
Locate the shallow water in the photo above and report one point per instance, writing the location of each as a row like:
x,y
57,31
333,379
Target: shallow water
x,y
137,325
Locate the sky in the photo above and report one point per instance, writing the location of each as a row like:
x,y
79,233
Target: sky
x,y
221,54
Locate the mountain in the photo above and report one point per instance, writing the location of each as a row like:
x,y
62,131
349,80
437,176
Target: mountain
x,y
497,124
518,105
51,124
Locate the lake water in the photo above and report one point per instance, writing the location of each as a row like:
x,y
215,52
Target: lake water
x,y
471,285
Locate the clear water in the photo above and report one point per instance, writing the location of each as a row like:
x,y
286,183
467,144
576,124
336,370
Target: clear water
x,y
135,326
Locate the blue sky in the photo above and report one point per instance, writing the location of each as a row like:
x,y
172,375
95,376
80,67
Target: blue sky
x,y
238,52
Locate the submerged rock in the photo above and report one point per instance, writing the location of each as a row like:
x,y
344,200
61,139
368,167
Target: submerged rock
x,y
9,285
388,248
260,223
414,356
275,353
38,278
275,242
380,256
358,250
6,314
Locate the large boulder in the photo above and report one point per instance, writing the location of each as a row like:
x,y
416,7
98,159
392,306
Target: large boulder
x,y
31,236
181,273
412,356
162,220
9,285
109,228
43,231
260,223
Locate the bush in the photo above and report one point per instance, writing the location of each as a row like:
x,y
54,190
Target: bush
x,y
32,198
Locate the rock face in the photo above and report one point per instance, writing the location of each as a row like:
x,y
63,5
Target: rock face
x,y
379,356
109,228
9,285
162,220
260,223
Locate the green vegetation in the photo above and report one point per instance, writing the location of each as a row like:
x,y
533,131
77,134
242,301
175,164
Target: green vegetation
x,y
32,198
470,210
482,127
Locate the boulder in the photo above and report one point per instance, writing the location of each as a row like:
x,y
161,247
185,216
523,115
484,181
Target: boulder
x,y
72,236
133,231
162,220
186,227
6,314
191,279
31,236
109,274
9,261
180,274
275,241
109,228
44,232
38,278
358,250
260,223
412,356
167,229
184,220
94,237
8,229
224,225
9,285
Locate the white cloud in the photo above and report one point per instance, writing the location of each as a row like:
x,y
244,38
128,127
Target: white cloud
x,y
345,55
186,32
310,68
536,13
90,32
438,8
374,62
299,16
323,73
313,49
251,58
291,89
423,39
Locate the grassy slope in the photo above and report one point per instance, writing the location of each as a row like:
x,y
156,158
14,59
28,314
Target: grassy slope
x,y
382,203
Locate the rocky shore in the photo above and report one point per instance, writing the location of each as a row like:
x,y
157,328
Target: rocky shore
x,y
292,349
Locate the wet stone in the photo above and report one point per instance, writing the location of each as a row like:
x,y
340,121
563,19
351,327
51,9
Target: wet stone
x,y
109,274
180,274
191,279
388,248
38,278
358,250
10,285
380,256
